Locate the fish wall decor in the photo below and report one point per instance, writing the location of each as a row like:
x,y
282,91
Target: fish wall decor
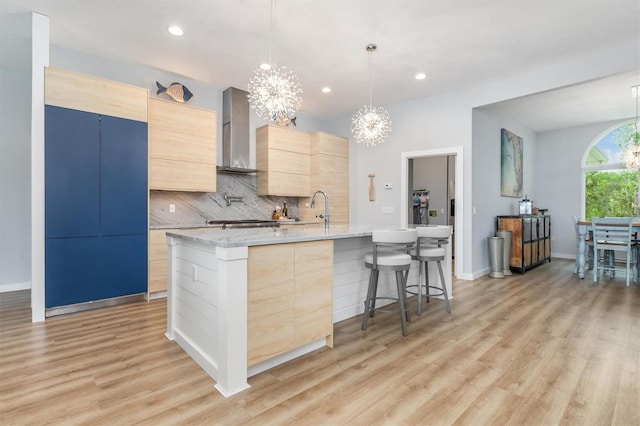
x,y
176,91
286,121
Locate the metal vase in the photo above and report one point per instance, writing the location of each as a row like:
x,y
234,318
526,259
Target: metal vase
x,y
496,258
506,262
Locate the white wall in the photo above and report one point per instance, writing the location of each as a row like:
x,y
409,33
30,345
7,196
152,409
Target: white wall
x,y
560,180
489,203
15,142
15,180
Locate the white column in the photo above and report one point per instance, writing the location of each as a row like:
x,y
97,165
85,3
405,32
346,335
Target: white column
x,y
232,320
39,60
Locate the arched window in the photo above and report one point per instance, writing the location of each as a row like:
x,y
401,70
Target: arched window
x,y
611,187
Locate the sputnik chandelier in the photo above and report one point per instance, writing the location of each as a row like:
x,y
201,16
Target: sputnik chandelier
x,y
275,94
371,124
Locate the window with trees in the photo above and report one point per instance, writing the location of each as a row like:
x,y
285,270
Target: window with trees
x,y
612,175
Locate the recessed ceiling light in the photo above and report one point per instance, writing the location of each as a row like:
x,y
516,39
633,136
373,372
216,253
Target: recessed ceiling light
x,y
175,30
326,89
265,66
421,76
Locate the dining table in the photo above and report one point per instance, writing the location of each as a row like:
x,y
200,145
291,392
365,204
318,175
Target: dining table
x,y
584,228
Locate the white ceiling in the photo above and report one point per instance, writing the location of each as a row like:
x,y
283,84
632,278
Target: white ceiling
x,y
458,44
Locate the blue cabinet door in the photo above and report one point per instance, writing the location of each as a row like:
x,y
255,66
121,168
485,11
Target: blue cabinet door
x,y
72,173
123,179
79,270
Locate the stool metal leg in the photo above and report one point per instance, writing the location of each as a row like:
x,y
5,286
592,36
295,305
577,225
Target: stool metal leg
x,y
419,286
400,284
426,281
375,292
444,288
368,310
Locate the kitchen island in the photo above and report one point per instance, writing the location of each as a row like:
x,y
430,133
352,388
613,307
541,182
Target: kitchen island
x,y
241,301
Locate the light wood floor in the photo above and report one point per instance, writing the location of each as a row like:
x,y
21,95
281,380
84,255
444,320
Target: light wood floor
x,y
541,348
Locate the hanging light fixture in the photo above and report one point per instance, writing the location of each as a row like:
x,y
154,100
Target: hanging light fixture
x,y
631,155
371,125
274,92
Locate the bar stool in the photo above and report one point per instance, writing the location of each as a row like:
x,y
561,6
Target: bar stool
x,y
429,249
390,253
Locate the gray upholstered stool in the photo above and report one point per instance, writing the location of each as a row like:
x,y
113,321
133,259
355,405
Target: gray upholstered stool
x,y
390,253
429,249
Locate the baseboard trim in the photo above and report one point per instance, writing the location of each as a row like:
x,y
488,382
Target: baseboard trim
x,y
4,288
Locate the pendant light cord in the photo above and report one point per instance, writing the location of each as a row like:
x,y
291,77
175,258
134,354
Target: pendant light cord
x,y
371,80
273,29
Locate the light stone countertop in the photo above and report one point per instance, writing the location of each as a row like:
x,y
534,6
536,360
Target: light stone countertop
x,y
264,236
219,225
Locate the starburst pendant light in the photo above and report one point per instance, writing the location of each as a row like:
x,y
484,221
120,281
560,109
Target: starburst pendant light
x,y
274,92
371,125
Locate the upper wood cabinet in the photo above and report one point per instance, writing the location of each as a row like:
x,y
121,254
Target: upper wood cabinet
x,y
182,147
283,161
82,92
329,173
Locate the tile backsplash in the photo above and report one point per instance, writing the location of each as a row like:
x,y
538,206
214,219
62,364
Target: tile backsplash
x,y
195,208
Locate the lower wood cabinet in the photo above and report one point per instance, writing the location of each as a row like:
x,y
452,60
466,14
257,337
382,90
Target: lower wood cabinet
x,y
530,239
158,255
290,293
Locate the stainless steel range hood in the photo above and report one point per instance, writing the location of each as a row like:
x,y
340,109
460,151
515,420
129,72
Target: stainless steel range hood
x,y
235,132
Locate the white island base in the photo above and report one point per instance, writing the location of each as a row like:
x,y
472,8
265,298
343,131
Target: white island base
x,y
235,321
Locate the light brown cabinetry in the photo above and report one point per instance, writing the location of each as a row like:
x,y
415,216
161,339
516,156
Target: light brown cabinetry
x,y
158,255
289,297
182,147
530,239
283,161
329,173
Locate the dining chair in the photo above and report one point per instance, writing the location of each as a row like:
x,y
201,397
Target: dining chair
x,y
588,245
616,235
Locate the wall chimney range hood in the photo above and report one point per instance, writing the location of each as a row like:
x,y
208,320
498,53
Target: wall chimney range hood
x,y
235,132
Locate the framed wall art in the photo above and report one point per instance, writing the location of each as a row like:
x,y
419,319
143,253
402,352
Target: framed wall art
x,y
510,164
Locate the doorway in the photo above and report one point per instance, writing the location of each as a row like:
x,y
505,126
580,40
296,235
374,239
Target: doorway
x,y
452,157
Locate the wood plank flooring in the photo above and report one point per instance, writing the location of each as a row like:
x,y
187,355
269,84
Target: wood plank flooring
x,y
542,348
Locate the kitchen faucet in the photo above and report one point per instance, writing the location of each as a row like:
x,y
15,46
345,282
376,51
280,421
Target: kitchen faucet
x,y
324,215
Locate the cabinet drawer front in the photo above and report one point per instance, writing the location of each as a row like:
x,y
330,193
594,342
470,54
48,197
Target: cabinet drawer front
x,y
123,177
286,162
72,173
270,300
158,243
314,255
286,184
158,271
269,336
283,139
325,143
173,145
181,176
181,118
268,265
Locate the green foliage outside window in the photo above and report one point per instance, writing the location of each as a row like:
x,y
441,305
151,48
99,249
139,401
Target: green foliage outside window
x,y
611,193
